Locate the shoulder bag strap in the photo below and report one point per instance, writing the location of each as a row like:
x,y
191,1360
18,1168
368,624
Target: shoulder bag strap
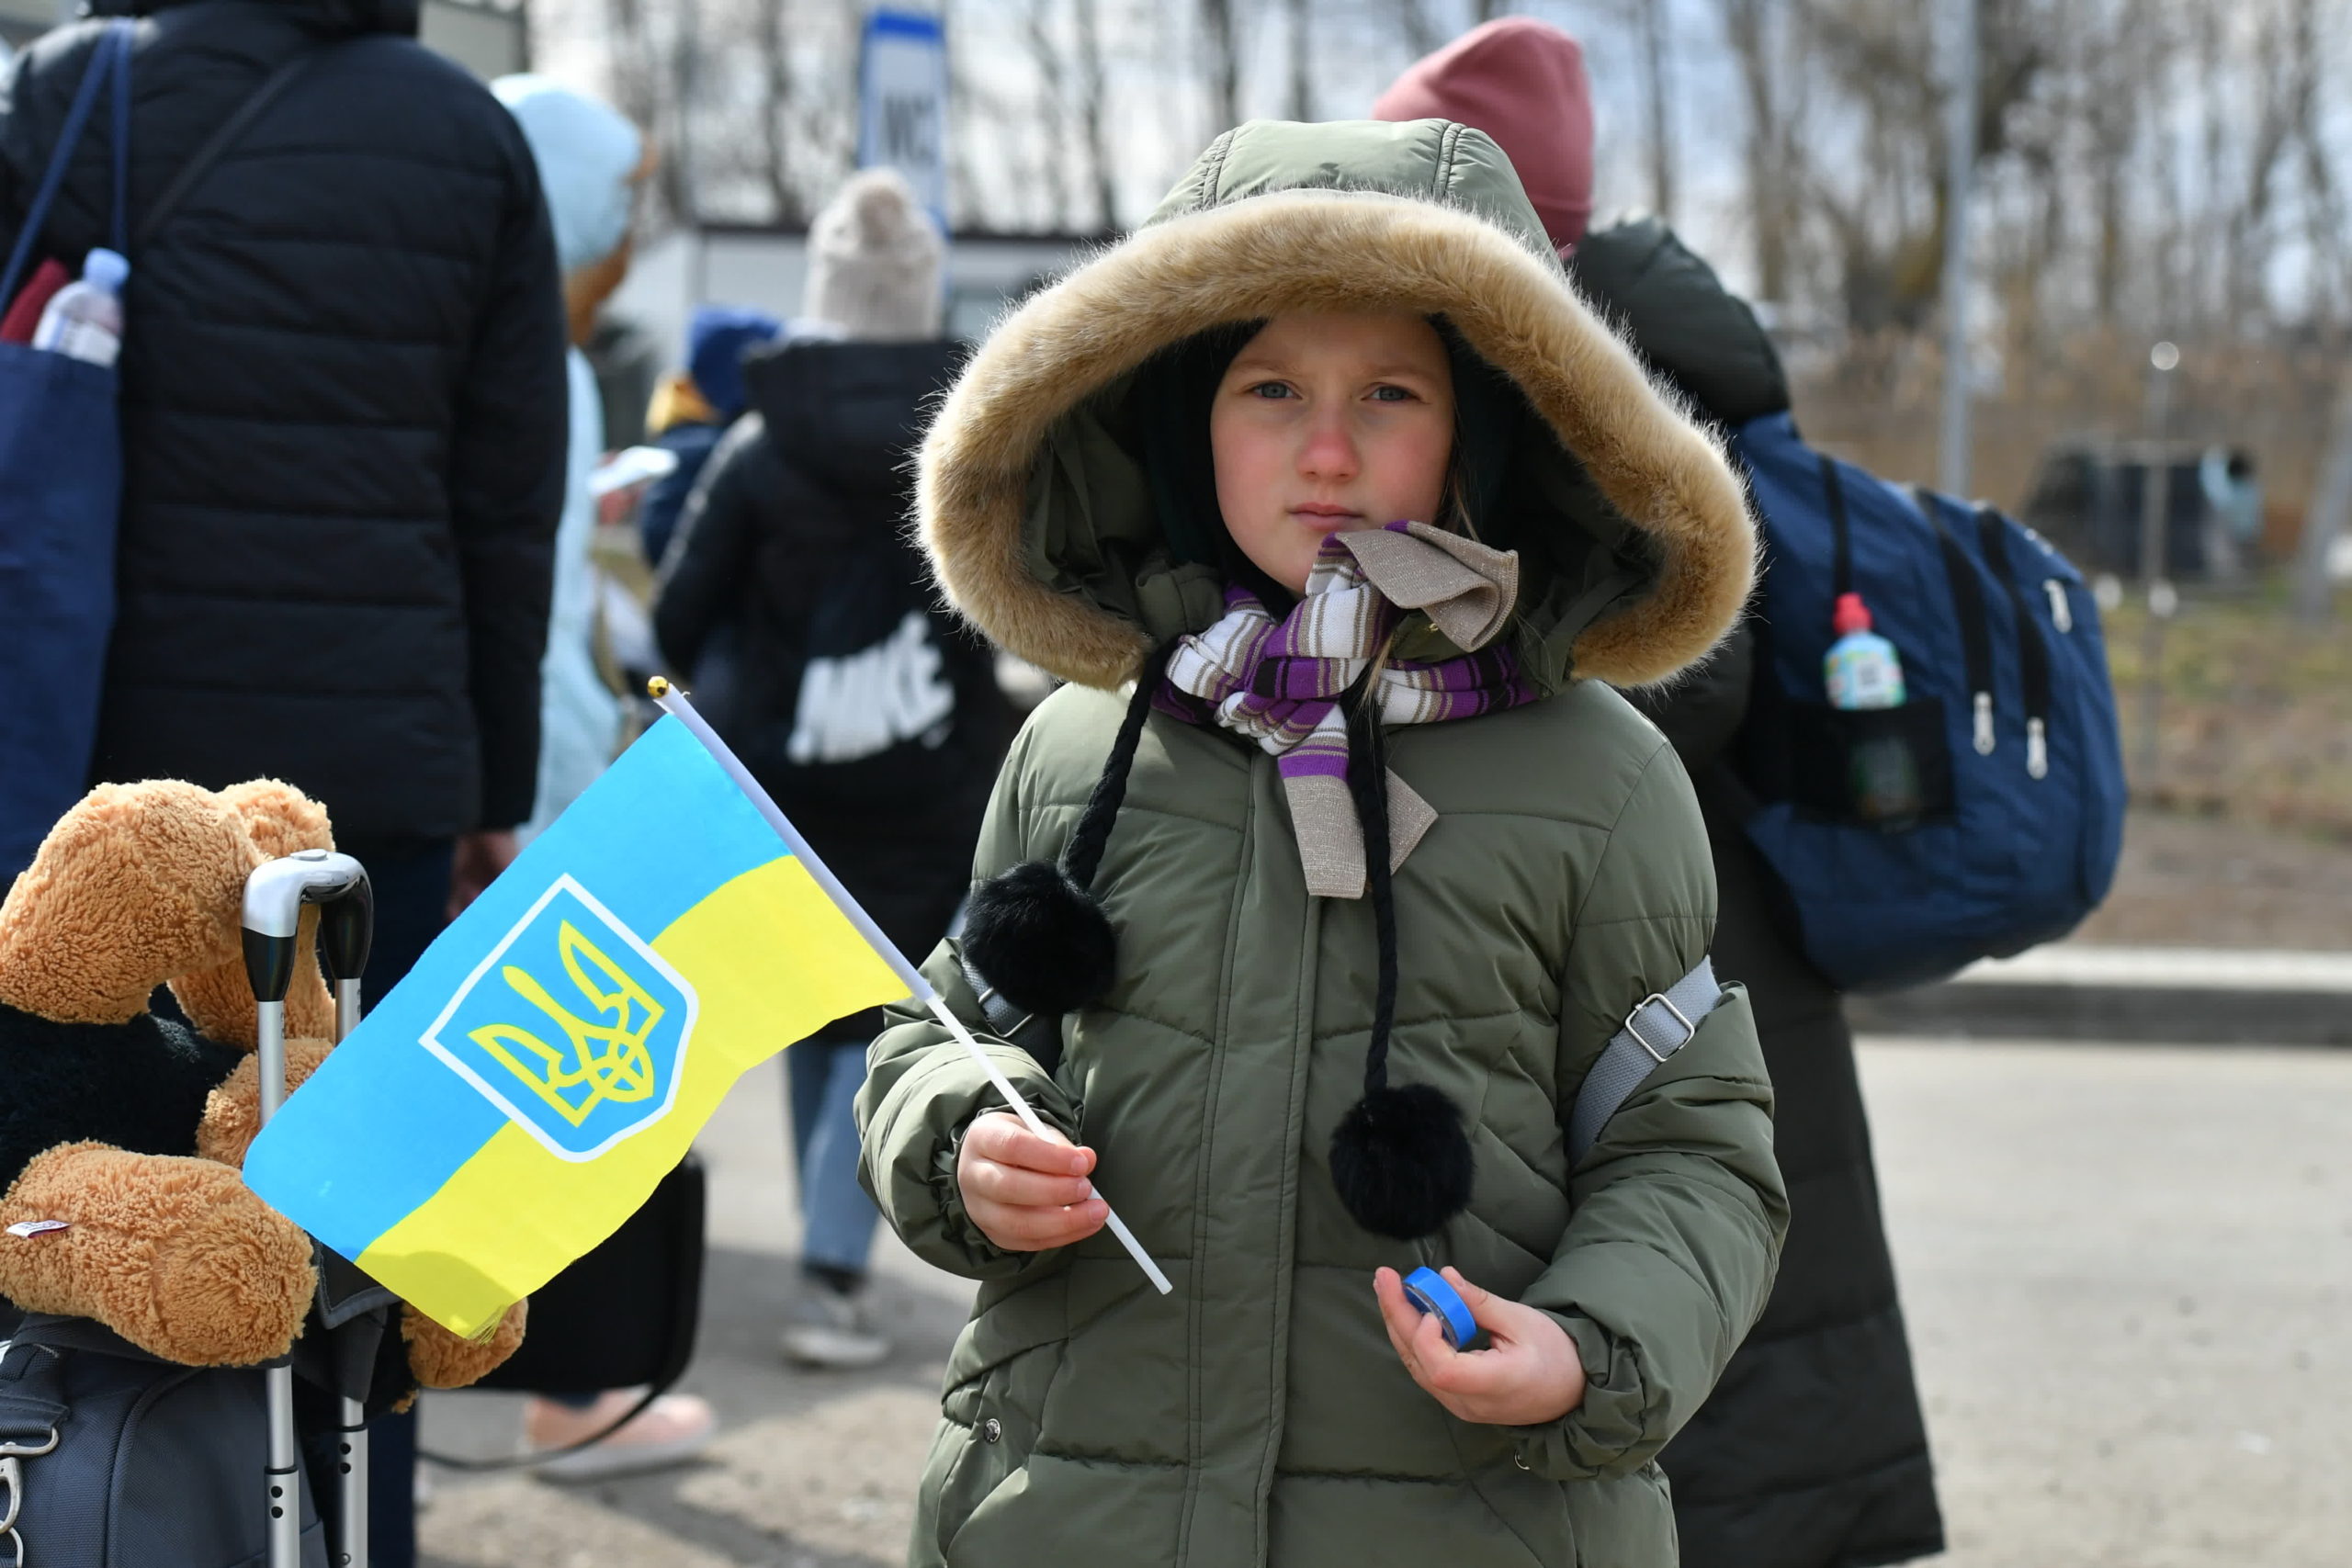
x,y
1663,1024
111,55
201,163
119,33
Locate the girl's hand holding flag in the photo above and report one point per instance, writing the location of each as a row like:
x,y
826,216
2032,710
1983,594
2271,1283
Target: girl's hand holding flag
x,y
1027,1192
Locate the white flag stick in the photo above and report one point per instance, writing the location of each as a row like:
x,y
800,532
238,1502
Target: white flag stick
x,y
946,1015
673,703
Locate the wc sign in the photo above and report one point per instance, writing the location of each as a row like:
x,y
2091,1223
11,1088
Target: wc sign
x,y
902,103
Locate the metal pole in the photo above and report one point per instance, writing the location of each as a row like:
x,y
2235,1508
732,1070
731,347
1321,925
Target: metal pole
x,y
285,1472
1654,46
2324,521
272,924
1960,171
2155,527
352,1457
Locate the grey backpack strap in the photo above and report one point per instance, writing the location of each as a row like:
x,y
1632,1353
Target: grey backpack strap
x,y
1661,1025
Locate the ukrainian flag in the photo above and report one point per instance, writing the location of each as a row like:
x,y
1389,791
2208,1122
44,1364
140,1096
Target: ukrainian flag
x,y
553,1054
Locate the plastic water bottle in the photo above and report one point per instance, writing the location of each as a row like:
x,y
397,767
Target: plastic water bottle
x,y
1863,670
84,319
1866,674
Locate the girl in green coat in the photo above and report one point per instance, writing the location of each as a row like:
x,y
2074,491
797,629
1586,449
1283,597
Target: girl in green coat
x,y
1306,909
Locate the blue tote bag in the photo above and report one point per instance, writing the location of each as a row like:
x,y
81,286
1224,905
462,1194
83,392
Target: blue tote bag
x,y
61,488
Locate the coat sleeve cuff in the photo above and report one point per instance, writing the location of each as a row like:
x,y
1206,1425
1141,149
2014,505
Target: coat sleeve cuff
x,y
1608,1432
912,1142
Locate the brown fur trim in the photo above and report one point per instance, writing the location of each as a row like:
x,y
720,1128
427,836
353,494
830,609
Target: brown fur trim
x,y
175,1255
1326,251
135,886
439,1359
233,1111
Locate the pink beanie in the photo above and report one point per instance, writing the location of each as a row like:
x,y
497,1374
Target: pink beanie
x,y
1522,83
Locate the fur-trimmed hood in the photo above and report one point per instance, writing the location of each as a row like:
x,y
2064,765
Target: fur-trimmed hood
x,y
1636,549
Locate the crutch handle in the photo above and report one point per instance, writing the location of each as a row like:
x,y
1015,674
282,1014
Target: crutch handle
x,y
347,929
274,894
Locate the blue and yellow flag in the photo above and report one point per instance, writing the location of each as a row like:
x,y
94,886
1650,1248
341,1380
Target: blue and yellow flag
x,y
555,1052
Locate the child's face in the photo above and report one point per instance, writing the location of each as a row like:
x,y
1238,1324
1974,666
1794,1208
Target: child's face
x,y
1328,422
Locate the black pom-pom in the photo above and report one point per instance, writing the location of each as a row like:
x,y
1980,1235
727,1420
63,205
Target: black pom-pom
x,y
1040,938
1402,1162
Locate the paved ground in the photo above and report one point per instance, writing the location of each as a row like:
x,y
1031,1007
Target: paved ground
x,y
2128,1273
2203,882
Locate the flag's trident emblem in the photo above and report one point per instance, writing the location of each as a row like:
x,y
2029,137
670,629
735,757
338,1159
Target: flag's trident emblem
x,y
572,1025
601,1060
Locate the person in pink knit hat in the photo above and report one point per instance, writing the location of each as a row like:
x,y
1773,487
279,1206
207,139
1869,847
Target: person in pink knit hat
x,y
1812,1451
1522,83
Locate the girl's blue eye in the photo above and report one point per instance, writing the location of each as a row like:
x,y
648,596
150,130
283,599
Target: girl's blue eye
x,y
1391,394
1270,389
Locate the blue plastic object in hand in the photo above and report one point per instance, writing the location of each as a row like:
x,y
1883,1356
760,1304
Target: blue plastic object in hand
x,y
1429,1292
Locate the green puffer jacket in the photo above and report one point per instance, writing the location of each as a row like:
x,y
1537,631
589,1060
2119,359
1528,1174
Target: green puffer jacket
x,y
1257,1416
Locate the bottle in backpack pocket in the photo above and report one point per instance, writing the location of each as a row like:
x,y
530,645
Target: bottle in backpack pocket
x,y
1862,669
1865,673
84,319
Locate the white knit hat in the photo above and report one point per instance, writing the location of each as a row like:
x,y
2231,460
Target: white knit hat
x,y
875,261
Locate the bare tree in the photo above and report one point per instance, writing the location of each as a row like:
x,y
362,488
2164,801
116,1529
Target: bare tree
x,y
1655,75
1053,106
2142,162
1302,81
775,65
1749,26
1221,57
2325,218
2286,83
1092,86
679,186
1419,28
2114,133
639,90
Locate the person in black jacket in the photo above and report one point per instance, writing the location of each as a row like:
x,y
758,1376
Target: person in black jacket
x,y
1812,1451
692,409
344,417
868,713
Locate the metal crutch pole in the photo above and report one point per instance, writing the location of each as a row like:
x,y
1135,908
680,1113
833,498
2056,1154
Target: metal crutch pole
x,y
347,928
274,894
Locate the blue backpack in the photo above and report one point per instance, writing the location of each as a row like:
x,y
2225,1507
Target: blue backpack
x,y
2011,772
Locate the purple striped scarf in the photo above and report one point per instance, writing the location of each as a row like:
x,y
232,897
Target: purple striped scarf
x,y
1279,682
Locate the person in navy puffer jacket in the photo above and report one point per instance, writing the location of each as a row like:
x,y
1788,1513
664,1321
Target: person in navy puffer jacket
x,y
692,408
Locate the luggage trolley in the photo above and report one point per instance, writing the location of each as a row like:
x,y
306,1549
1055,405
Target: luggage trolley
x,y
276,894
